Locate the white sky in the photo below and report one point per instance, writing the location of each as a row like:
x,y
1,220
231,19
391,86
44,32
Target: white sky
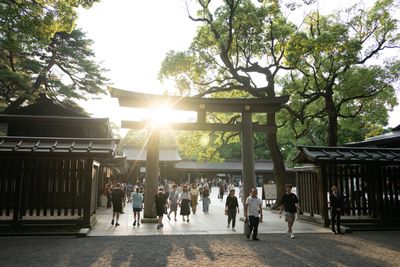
x,y
132,37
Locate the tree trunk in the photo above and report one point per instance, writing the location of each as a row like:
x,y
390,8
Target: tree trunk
x,y
38,82
332,120
279,169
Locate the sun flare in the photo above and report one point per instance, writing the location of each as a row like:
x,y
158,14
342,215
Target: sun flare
x,y
161,116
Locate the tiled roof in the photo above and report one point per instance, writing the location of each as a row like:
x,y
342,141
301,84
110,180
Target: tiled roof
x,y
391,138
137,153
58,146
228,166
312,154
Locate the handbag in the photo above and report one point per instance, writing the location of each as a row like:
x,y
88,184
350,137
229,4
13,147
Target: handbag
x,y
246,229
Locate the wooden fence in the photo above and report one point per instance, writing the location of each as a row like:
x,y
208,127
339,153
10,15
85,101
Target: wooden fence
x,y
47,190
371,192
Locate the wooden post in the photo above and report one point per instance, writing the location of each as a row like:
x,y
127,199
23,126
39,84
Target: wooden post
x,y
87,210
248,174
323,190
151,183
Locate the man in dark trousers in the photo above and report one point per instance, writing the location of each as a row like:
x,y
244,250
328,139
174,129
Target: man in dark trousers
x,y
117,199
336,200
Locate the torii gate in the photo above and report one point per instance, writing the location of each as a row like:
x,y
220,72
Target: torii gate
x,y
200,105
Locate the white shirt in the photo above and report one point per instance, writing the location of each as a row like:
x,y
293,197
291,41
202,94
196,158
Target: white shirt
x,y
254,204
194,192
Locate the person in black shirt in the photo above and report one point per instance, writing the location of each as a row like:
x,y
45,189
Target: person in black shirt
x,y
290,203
231,206
117,199
336,200
161,205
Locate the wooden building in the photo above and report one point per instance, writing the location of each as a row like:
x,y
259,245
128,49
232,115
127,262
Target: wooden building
x,y
53,165
172,167
368,177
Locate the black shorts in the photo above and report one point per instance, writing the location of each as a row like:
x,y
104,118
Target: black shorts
x,y
137,209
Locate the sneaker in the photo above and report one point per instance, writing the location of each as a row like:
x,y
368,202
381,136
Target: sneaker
x,y
117,224
228,226
134,223
183,219
248,236
176,219
138,223
288,233
233,229
188,220
291,235
158,226
255,238
112,222
169,218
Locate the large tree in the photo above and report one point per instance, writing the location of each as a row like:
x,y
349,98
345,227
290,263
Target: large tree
x,y
240,46
336,81
42,52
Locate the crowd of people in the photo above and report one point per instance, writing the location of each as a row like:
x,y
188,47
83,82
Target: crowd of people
x,y
172,198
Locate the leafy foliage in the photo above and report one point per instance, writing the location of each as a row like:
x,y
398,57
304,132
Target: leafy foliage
x,y
42,52
331,78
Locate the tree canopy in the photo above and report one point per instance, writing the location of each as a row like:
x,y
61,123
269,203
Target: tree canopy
x,y
337,78
41,51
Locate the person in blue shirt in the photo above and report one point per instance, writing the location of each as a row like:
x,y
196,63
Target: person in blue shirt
x,y
137,206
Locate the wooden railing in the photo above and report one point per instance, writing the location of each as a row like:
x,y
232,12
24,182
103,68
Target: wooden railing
x,y
371,192
47,190
309,192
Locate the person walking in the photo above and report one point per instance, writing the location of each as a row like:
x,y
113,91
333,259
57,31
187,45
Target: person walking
x,y
221,190
206,199
231,207
107,192
161,205
184,203
337,203
253,212
173,199
194,194
117,198
137,206
289,203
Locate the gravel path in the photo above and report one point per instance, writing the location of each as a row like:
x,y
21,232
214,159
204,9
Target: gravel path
x,y
357,249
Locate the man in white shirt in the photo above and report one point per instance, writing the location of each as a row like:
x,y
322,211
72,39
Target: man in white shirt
x,y
253,212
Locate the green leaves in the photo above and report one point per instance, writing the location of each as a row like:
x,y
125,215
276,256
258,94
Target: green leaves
x,y
41,51
332,79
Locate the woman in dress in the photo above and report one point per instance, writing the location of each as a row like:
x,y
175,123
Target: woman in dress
x,y
184,203
173,201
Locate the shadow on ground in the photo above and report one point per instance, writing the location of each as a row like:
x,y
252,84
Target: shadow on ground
x,y
359,249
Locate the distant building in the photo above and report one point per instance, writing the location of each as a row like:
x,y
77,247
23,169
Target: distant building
x,y
172,167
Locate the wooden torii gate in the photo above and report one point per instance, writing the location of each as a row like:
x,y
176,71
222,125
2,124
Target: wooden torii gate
x,y
200,105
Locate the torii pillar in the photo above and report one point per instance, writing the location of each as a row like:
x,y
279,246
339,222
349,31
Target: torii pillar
x,y
152,170
248,173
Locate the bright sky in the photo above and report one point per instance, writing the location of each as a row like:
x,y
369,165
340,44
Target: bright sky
x,y
132,37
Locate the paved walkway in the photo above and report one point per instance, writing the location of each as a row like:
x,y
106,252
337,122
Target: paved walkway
x,y
204,241
215,222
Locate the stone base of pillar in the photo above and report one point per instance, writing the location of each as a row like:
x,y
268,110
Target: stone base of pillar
x,y
149,220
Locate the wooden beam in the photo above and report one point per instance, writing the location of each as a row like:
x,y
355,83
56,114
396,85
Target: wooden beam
x,y
205,104
237,127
